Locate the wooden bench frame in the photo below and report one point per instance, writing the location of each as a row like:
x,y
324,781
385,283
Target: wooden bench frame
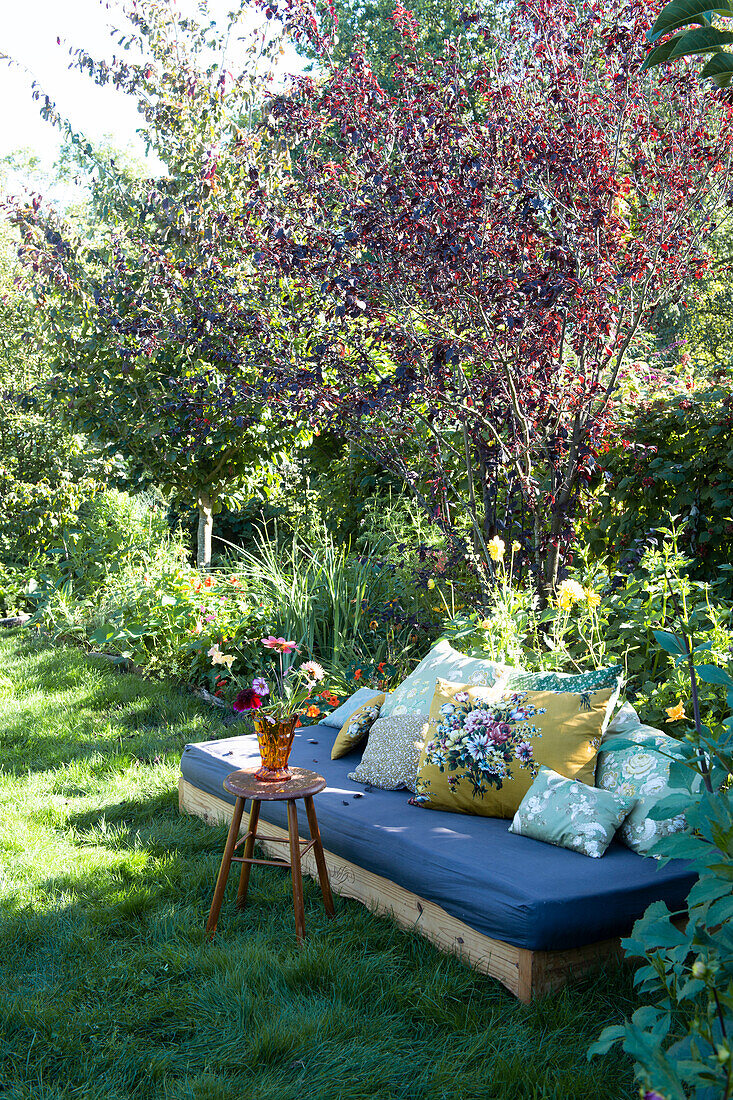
x,y
525,973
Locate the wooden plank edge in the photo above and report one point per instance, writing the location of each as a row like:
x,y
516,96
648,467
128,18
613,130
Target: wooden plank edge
x,y
524,973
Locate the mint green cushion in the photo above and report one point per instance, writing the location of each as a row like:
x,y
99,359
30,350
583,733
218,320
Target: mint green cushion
x,y
569,814
415,694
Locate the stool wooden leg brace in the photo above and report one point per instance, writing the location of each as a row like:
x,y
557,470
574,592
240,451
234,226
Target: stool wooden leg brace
x,y
247,860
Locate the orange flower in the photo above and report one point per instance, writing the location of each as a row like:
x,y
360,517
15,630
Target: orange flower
x,y
380,666
208,581
675,713
298,723
313,711
357,674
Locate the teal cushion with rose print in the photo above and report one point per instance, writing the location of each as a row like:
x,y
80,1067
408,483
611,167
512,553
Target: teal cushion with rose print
x,y
640,771
570,814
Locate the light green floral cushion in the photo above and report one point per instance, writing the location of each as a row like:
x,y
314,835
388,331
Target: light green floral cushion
x,y
569,814
415,694
641,773
337,717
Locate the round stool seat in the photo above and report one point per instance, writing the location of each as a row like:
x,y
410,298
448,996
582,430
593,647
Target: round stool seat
x,y
304,784
245,785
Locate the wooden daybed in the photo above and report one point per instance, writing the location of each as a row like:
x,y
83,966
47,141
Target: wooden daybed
x,y
451,877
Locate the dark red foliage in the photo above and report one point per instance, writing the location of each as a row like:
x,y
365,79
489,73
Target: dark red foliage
x,y
470,259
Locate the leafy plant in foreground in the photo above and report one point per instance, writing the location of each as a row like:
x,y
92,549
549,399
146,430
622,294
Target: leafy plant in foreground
x,y
683,1040
697,40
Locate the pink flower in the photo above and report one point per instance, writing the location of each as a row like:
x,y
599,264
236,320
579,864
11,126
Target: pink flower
x,y
271,642
501,733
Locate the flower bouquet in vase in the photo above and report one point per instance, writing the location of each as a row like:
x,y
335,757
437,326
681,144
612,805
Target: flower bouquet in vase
x,y
276,710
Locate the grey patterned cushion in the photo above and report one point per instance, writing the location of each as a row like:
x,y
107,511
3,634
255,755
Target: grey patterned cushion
x,y
392,752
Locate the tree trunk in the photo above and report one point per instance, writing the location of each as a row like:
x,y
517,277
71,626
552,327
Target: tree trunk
x,y
206,526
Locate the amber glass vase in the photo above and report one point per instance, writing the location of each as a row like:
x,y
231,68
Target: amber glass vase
x,y
275,739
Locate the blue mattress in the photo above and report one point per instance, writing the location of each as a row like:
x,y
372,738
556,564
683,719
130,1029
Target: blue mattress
x,y
509,887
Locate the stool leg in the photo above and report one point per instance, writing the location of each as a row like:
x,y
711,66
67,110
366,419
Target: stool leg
x,y
320,858
226,861
296,871
249,847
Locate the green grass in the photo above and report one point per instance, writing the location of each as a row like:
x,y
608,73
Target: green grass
x,y
109,989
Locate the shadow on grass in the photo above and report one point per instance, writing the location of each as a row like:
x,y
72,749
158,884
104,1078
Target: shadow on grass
x,y
111,970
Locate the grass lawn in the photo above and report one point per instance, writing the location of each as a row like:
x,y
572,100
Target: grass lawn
x,y
109,988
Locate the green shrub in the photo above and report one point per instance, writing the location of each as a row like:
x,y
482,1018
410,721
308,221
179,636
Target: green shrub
x,y
349,611
673,455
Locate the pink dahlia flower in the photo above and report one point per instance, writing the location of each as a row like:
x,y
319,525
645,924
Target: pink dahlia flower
x,y
271,642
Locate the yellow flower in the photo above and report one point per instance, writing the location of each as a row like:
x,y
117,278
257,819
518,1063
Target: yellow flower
x,y
496,548
431,584
516,547
592,598
675,713
569,593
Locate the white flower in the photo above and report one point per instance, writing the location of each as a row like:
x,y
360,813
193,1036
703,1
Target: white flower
x,y
478,744
315,671
219,658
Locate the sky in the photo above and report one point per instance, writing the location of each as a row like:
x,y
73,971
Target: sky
x,y
28,33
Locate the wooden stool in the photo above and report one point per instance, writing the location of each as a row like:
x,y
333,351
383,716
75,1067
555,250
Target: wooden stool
x,y
242,784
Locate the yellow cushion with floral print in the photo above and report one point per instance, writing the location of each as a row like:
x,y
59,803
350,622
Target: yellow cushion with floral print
x,y
484,746
356,727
